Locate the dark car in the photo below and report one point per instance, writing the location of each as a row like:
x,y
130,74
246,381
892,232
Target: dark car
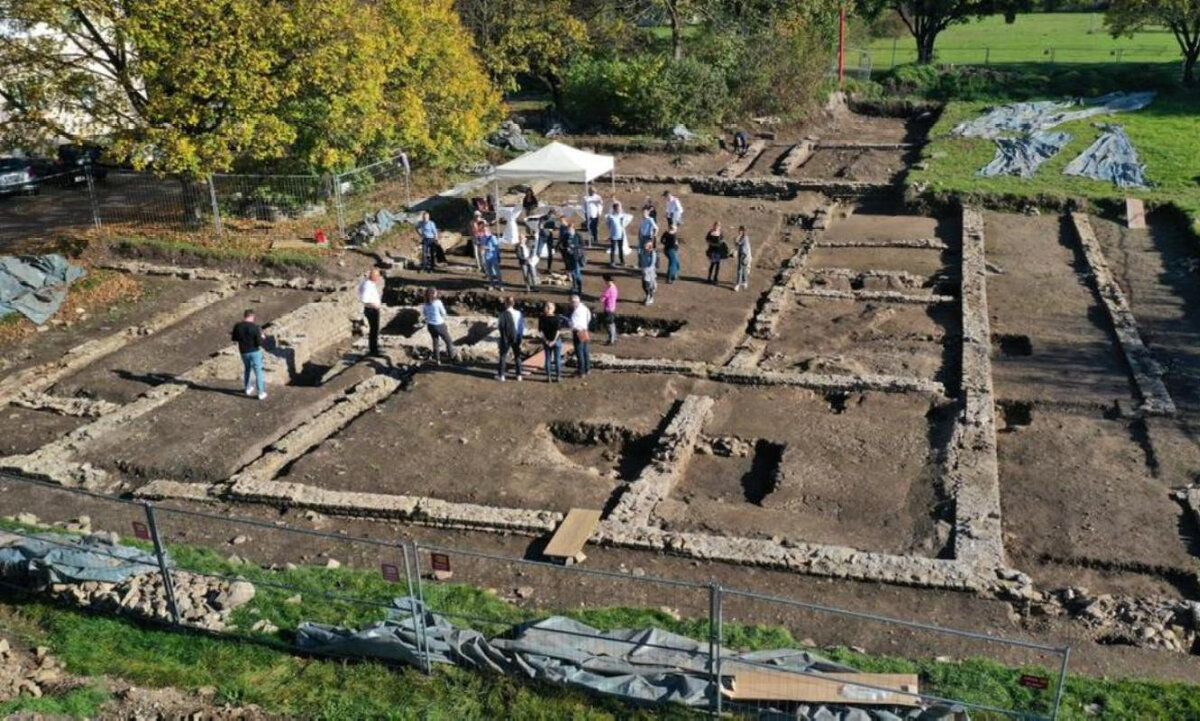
x,y
17,176
72,161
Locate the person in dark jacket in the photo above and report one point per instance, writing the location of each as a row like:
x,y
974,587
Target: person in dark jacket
x,y
512,329
716,250
250,338
670,245
550,327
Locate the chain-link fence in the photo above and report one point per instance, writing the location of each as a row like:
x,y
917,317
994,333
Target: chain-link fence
x,y
723,650
862,62
39,202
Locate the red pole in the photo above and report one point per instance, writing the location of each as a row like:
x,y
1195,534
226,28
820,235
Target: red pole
x,y
842,46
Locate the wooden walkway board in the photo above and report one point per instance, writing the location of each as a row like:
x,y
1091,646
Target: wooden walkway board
x,y
1135,213
840,688
567,542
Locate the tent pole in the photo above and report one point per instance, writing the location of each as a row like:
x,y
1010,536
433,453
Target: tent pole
x,y
612,176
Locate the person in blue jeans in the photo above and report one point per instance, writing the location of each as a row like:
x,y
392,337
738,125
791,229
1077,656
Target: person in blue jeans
x,y
670,244
580,321
491,260
249,338
550,327
427,231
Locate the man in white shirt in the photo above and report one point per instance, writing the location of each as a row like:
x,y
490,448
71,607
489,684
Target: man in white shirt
x,y
511,325
581,318
370,294
674,209
593,205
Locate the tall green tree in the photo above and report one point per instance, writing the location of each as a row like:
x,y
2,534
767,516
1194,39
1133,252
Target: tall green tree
x,y
192,87
1181,17
534,38
926,19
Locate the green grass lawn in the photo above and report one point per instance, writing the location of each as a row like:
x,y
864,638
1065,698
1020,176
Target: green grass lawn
x,y
1074,38
259,668
1165,134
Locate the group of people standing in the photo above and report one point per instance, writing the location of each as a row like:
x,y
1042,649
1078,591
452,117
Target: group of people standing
x,y
555,236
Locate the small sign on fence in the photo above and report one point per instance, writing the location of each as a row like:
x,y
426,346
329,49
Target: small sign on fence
x,y
441,566
391,573
1040,683
141,531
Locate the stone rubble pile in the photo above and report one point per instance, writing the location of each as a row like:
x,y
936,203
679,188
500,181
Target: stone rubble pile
x,y
22,674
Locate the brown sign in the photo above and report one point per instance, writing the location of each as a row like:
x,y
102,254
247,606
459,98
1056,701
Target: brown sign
x,y
1041,683
391,573
440,562
140,531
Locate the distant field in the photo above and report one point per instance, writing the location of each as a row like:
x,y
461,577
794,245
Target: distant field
x,y
1034,37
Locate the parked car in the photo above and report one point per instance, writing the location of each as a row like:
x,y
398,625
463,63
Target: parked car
x,y
72,159
17,176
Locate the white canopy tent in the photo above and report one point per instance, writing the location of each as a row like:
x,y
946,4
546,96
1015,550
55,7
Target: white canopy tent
x,y
555,162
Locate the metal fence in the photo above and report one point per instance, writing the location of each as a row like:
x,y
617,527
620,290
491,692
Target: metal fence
x,y
292,568
862,62
274,207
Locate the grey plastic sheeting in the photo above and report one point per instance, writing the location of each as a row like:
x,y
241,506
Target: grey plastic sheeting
x,y
45,558
1113,158
643,666
35,286
1023,156
1026,118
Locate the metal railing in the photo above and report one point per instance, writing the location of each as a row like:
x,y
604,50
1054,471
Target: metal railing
x,y
275,207
712,624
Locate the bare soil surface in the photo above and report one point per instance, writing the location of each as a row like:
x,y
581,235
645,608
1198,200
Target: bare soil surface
x,y
875,166
1053,339
158,294
23,430
126,374
210,432
672,164
1102,506
820,472
852,337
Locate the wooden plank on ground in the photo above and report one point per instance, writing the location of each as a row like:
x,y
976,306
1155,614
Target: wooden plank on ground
x,y
840,688
567,542
1135,213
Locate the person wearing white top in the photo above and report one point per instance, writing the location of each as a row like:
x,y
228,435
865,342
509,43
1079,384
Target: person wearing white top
x,y
581,318
370,294
593,205
674,209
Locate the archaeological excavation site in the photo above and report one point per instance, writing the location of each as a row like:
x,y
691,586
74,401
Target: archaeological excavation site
x,y
969,416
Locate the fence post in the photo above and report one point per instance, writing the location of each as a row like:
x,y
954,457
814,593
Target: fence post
x,y
168,584
987,56
423,638
92,199
715,634
894,41
216,210
1062,682
337,204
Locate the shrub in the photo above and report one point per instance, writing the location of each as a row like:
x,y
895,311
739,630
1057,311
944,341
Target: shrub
x,y
642,94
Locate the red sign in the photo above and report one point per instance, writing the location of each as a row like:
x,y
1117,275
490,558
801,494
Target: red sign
x,y
440,562
1041,683
391,574
140,531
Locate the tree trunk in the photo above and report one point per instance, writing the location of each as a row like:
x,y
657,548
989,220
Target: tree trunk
x,y
676,35
925,40
193,200
1189,65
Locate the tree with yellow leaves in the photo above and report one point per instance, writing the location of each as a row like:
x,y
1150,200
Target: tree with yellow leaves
x,y
192,87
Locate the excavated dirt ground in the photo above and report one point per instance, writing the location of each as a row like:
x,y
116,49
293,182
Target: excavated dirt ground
x,y
1084,481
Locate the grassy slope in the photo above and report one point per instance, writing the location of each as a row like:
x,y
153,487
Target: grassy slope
x,y
1166,135
1029,39
266,673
